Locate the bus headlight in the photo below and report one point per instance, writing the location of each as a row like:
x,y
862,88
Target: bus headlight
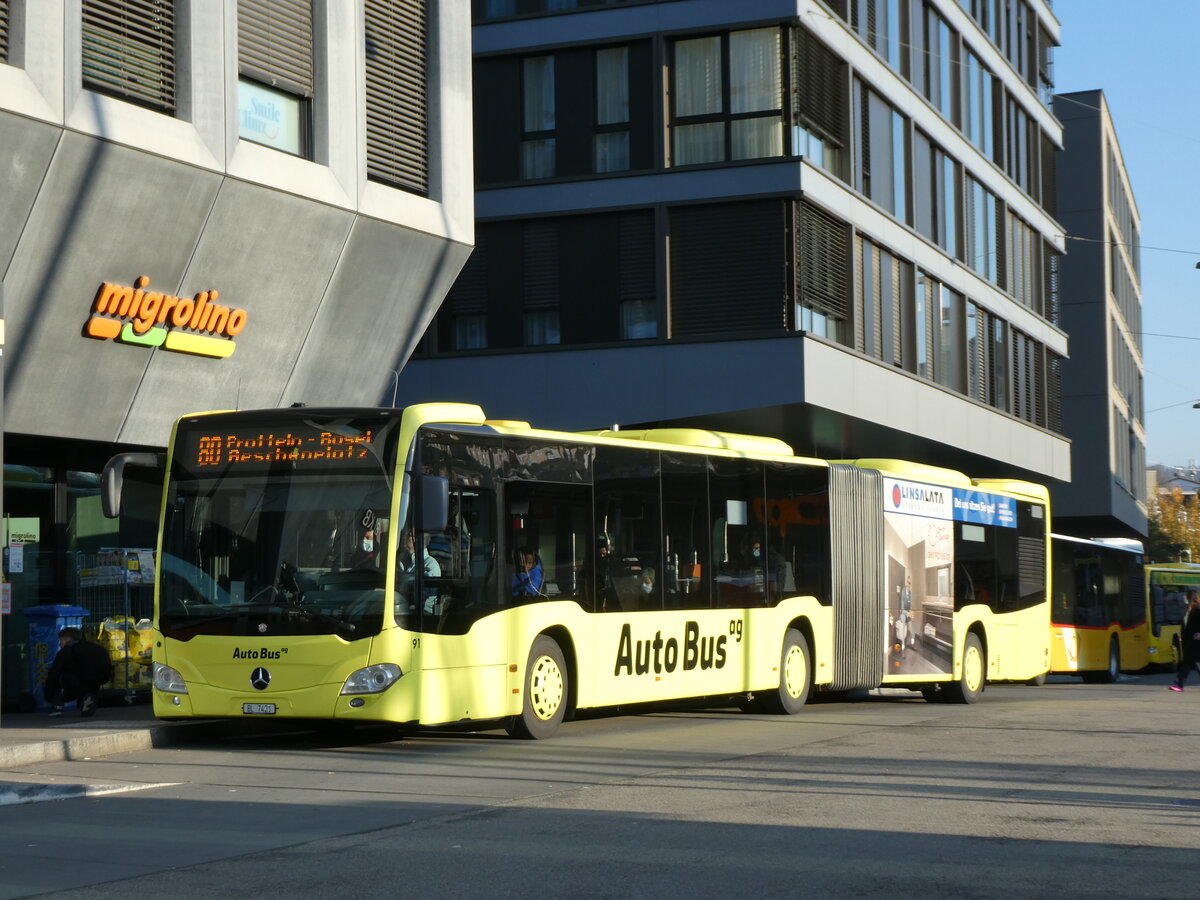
x,y
169,680
372,679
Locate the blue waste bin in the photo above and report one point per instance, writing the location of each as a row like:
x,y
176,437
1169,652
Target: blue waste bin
x,y
45,622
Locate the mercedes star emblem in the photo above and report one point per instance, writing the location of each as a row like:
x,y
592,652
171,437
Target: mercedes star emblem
x,y
260,678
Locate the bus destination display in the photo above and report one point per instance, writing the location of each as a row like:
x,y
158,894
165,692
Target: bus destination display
x,y
232,449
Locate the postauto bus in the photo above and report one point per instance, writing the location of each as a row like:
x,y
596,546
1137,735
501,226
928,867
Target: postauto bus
x,y
429,565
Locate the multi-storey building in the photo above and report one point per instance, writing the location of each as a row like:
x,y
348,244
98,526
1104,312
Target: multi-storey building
x,y
829,222
221,204
1102,311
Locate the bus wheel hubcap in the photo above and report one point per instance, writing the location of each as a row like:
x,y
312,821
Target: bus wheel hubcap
x,y
545,688
794,672
973,669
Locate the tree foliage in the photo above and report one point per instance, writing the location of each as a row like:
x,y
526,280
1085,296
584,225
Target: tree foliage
x,y
1174,527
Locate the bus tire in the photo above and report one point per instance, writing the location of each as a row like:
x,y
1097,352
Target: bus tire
x,y
1037,680
795,676
1113,673
546,693
970,684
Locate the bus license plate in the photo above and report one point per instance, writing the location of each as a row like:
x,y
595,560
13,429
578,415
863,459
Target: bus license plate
x,y
258,709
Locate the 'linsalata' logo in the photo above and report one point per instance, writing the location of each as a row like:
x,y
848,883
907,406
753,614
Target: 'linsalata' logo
x,y
134,315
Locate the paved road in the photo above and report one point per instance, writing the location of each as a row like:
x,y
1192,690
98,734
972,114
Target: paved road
x,y
1067,790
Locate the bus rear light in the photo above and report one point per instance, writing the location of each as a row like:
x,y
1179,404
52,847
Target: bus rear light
x,y
373,679
169,680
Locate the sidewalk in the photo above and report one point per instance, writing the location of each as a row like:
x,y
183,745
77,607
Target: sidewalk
x,y
31,738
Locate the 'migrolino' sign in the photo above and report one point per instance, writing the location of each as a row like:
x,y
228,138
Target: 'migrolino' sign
x,y
134,315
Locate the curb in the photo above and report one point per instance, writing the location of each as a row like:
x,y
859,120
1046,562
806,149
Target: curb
x,y
92,746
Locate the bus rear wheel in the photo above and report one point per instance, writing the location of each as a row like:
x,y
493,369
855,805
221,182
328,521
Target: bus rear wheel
x,y
970,684
795,676
1113,673
546,692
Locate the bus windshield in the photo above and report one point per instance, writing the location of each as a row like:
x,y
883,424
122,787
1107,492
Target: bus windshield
x,y
278,530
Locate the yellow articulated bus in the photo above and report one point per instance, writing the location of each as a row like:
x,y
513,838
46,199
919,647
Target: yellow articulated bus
x,y
430,566
1099,616
1166,602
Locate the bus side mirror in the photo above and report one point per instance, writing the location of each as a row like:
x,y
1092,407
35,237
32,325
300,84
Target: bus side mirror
x,y
435,502
112,479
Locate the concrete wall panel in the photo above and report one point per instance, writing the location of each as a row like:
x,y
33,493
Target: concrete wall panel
x,y
103,213
271,254
388,284
28,145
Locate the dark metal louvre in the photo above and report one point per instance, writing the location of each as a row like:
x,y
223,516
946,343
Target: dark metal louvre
x,y
128,50
469,294
856,532
4,30
819,88
823,260
637,255
541,264
275,43
397,113
728,268
1054,408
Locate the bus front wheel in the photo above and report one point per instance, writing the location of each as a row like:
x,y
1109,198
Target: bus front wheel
x,y
974,673
546,692
795,676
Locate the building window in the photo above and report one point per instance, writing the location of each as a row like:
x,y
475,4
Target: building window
x,y
978,89
470,331
883,303
926,304
540,262
883,26
982,243
935,193
820,122
727,97
935,64
639,320
1024,265
128,50
541,327
999,396
823,263
612,110
724,251
977,353
537,117
275,62
881,153
951,340
397,138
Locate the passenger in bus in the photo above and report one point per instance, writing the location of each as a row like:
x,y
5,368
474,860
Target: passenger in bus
x,y
527,580
597,577
408,558
1189,634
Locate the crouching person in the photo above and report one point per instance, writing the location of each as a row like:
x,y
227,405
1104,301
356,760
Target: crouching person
x,y
79,670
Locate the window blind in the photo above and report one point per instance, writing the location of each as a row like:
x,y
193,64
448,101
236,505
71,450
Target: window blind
x,y
128,49
397,112
275,43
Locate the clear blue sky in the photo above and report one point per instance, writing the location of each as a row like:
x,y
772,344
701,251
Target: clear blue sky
x,y
1146,58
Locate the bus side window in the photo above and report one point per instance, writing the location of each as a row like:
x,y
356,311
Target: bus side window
x,y
547,538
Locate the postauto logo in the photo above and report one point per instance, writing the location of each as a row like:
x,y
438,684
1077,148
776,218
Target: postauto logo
x,y
136,315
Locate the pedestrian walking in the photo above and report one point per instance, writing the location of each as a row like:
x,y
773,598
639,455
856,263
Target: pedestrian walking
x,y
1189,639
